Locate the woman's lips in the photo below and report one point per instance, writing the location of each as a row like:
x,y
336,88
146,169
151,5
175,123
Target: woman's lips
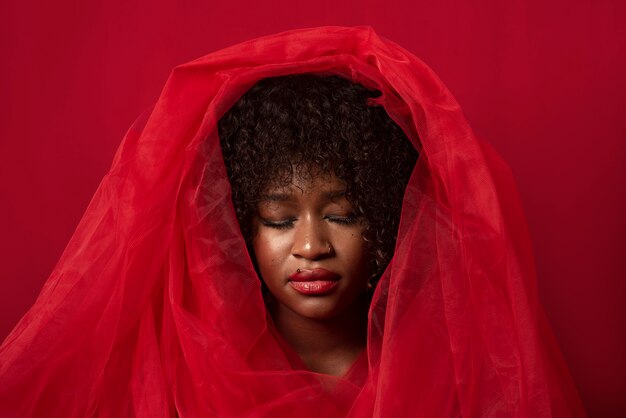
x,y
311,275
313,281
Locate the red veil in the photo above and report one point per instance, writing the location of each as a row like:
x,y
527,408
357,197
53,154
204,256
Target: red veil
x,y
155,310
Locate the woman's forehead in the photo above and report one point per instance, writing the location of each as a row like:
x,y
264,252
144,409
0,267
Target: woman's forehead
x,y
322,185
303,177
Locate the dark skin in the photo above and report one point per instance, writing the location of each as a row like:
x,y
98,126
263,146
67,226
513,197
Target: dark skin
x,y
329,347
309,226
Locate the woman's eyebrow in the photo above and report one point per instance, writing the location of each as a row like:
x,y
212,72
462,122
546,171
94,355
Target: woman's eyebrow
x,y
275,197
283,197
333,194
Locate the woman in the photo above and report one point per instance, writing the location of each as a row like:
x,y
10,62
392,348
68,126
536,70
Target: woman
x,y
156,308
304,155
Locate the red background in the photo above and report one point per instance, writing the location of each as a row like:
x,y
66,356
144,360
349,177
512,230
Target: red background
x,y
543,81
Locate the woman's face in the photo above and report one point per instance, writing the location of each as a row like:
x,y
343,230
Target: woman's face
x,y
309,248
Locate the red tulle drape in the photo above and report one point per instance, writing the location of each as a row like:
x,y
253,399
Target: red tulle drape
x,y
155,309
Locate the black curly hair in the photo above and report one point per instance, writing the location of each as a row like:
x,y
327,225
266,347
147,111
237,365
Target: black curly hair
x,y
319,124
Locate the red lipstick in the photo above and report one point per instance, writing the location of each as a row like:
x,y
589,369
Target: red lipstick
x,y
313,281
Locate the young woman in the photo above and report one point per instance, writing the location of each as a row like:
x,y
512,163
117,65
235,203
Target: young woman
x,y
254,252
305,156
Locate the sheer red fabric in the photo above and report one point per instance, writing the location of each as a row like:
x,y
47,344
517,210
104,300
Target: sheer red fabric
x,y
155,309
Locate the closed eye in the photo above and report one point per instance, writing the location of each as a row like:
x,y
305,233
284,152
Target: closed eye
x,y
284,224
343,220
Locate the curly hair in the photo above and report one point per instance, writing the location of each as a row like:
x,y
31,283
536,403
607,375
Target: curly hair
x,y
322,123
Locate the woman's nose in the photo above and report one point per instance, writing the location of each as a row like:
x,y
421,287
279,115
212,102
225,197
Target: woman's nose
x,y
311,241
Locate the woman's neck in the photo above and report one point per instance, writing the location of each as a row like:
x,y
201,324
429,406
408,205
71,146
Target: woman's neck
x,y
327,346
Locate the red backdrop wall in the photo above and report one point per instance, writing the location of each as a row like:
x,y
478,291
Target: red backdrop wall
x,y
544,82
